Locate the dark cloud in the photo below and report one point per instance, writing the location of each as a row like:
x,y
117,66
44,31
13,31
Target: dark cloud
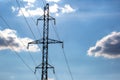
x,y
10,40
108,46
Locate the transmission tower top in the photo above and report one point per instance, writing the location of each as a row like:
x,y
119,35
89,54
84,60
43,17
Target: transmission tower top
x,y
45,41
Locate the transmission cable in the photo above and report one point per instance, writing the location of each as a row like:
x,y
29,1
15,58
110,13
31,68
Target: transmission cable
x,y
66,60
23,45
18,39
17,53
67,64
55,75
55,30
32,19
25,19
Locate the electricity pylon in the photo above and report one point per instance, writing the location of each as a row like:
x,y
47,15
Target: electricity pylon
x,y
45,41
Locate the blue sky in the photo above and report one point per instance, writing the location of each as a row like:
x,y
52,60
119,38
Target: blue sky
x,y
90,30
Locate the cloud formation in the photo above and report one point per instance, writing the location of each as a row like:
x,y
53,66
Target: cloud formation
x,y
67,9
28,12
29,1
10,40
53,0
31,10
57,10
108,46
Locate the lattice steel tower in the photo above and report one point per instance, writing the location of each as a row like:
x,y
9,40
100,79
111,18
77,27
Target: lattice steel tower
x,y
45,41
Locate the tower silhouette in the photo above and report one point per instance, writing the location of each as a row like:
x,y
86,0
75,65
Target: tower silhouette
x,y
45,41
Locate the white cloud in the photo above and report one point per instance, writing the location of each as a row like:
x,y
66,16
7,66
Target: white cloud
x,y
23,11
29,1
108,46
13,8
57,10
28,10
29,5
31,10
67,9
54,8
28,13
10,40
53,0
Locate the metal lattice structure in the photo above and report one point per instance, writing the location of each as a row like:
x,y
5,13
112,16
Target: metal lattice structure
x,y
45,41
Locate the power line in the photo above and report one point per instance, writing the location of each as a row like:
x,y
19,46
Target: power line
x,y
55,30
17,53
19,39
4,21
30,28
56,77
66,60
34,37
45,41
23,61
19,56
28,24
32,19
25,19
23,45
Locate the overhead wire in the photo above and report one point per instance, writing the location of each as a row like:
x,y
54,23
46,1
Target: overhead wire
x,y
55,75
28,23
66,60
32,19
57,36
59,39
18,55
56,78
55,30
67,63
25,19
31,32
35,25
16,52
44,3
19,40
